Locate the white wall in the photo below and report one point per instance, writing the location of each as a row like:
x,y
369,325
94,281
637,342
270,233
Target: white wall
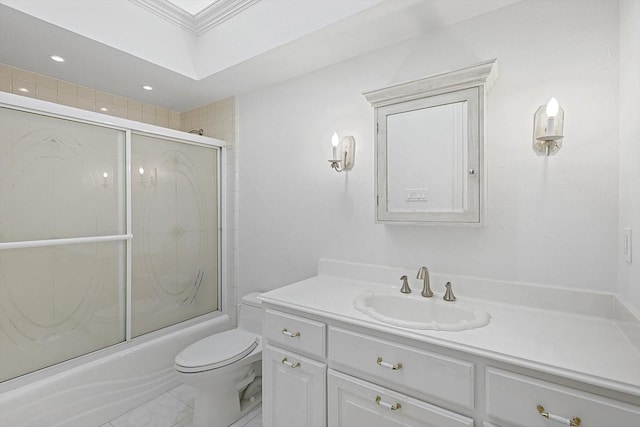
x,y
550,220
630,143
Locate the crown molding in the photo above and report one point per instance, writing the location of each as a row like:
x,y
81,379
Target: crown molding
x,y
214,14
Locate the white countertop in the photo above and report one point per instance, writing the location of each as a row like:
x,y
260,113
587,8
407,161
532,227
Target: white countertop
x,y
583,347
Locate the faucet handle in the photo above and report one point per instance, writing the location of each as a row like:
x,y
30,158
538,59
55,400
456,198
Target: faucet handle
x,y
423,273
448,294
405,289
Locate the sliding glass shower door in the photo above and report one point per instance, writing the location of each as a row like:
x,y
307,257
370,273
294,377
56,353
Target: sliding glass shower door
x,y
175,227
63,230
92,253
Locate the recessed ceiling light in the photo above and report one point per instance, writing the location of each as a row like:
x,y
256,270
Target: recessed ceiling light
x,y
23,89
104,109
57,58
147,87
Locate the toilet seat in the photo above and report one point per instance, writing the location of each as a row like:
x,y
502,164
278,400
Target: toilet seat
x,y
216,351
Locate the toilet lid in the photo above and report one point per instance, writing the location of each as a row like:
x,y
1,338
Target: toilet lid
x,y
216,351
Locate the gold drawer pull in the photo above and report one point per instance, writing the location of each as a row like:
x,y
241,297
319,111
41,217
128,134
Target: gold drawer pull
x,y
389,365
290,334
393,407
573,422
290,364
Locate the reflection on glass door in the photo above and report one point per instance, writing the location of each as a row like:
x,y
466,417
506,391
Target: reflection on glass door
x,y
175,228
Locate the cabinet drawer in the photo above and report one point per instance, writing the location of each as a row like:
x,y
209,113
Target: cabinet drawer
x,y
353,402
395,364
296,333
514,398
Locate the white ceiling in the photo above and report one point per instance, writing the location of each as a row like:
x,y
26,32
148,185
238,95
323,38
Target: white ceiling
x,y
193,7
196,16
119,45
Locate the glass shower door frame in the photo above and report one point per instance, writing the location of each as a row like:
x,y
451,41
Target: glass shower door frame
x,y
34,106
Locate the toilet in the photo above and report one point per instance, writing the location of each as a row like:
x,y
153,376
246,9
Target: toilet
x,y
225,369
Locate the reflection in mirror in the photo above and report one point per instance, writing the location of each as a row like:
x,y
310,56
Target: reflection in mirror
x,y
428,158
430,148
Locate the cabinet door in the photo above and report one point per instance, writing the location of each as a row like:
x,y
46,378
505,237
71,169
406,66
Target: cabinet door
x,y
357,403
294,390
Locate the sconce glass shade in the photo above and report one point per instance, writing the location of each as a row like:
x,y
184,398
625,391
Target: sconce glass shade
x,y
547,128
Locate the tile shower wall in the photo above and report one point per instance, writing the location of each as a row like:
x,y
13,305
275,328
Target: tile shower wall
x,y
216,119
25,83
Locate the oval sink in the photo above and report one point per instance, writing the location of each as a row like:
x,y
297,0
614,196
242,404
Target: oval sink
x,y
416,312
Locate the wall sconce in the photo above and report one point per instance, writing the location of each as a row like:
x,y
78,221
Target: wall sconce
x,y
547,128
345,149
148,179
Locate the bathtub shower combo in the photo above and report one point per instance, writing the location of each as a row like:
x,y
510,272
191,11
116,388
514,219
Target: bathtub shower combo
x,y
109,233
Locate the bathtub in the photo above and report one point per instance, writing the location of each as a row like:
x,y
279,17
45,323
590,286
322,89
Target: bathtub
x,y
97,391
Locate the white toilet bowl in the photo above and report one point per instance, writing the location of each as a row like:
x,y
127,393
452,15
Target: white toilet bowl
x,y
225,370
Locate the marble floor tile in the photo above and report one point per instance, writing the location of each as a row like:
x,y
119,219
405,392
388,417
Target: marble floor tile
x,y
185,394
250,419
174,409
256,421
187,422
163,411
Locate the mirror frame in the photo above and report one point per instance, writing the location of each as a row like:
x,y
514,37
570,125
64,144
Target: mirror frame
x,y
471,85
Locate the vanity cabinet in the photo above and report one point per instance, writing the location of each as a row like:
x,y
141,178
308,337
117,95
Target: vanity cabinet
x,y
323,371
293,371
300,390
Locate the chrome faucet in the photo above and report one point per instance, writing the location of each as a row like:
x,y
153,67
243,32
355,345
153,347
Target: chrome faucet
x,y
448,294
423,273
405,285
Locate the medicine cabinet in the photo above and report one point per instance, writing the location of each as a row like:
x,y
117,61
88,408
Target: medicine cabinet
x,y
430,148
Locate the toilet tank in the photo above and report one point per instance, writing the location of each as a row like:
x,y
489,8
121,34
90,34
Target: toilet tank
x,y
250,313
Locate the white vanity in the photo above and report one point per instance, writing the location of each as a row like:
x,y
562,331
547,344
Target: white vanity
x,y
548,357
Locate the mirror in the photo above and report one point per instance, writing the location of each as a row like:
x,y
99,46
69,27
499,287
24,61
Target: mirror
x,y
430,148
